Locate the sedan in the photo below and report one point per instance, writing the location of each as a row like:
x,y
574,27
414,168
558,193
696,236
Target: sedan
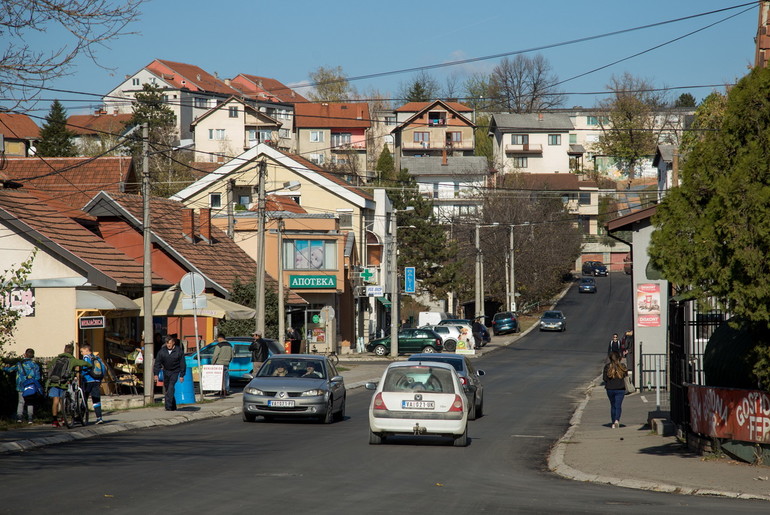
x,y
295,385
418,399
240,366
409,340
553,321
469,377
587,285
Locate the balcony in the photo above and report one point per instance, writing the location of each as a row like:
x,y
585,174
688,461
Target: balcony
x,y
527,148
358,145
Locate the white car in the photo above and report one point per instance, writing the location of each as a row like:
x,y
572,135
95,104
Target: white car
x,y
450,334
417,399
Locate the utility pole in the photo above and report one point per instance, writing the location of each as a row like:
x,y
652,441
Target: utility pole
x,y
281,306
477,284
394,287
512,292
149,351
259,294
230,201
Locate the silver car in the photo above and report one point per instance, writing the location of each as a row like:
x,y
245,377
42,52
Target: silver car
x,y
553,321
449,335
295,385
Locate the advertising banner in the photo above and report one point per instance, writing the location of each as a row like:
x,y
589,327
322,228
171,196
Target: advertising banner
x,y
648,305
212,377
742,415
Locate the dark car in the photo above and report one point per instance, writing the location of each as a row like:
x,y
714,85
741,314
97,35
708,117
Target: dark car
x,y
240,366
409,340
553,321
587,285
469,377
505,322
595,268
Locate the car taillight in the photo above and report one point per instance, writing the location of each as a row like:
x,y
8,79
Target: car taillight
x,y
457,405
439,343
464,380
378,402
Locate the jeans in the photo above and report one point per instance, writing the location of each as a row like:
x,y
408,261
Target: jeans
x,y
92,389
616,403
169,382
25,404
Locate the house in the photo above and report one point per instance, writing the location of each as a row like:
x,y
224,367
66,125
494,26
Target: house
x,y
532,142
332,134
664,159
97,133
18,134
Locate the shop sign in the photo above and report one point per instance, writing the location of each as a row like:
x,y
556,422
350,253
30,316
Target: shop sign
x,y
312,281
648,305
742,415
374,291
212,378
91,322
19,300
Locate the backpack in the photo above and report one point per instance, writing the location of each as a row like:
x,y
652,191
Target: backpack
x,y
60,370
30,387
97,368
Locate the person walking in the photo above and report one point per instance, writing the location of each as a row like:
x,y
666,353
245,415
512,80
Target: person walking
x,y
616,346
25,370
258,350
91,384
478,333
223,355
170,359
614,382
62,369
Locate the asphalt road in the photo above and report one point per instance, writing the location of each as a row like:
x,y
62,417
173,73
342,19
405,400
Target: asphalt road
x,y
228,466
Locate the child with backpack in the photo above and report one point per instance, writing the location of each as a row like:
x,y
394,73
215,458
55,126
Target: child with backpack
x,y
92,379
61,371
27,385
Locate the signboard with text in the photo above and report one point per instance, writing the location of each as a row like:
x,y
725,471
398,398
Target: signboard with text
x,y
409,280
742,415
212,378
91,322
648,305
312,281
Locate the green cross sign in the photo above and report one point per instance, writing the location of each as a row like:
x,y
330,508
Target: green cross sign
x,y
367,274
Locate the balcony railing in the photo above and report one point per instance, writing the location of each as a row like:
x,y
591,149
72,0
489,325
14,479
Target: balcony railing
x,y
527,148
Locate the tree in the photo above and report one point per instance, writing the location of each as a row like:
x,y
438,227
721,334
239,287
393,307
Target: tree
x,y
55,137
243,294
385,168
12,280
627,121
685,100
712,238
422,88
708,118
81,27
479,92
330,85
483,141
526,84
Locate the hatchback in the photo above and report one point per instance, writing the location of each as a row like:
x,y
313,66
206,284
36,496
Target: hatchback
x,y
418,399
505,322
409,340
587,285
469,377
553,321
449,334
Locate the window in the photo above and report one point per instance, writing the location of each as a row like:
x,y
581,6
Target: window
x,y
199,102
591,120
520,162
265,135
467,210
519,139
244,200
346,218
252,135
232,111
572,139
554,139
454,138
217,134
135,81
215,200
316,136
423,137
340,139
317,158
584,199
310,255
436,118
390,120
284,133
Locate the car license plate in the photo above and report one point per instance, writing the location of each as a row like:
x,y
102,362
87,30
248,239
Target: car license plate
x,y
280,404
417,404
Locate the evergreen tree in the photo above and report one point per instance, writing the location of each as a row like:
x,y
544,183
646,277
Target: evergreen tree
x,y
483,141
385,166
243,294
685,100
55,137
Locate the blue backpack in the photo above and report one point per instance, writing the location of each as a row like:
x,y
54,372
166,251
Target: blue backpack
x,y
30,386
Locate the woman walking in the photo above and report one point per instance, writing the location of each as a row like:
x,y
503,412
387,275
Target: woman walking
x,y
614,382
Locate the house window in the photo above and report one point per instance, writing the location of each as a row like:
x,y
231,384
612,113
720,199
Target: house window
x,y
554,139
454,138
244,200
316,136
520,162
310,255
199,102
390,120
340,139
217,134
519,139
265,135
572,139
466,210
317,158
215,200
135,81
232,111
423,137
346,218
436,118
584,199
591,120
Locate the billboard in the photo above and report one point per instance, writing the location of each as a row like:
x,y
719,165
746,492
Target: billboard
x,y
648,305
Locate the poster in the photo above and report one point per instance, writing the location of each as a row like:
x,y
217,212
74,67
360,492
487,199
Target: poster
x,y
742,415
211,378
648,305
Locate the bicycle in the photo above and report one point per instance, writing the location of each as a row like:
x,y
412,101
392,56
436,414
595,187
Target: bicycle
x,y
331,354
74,407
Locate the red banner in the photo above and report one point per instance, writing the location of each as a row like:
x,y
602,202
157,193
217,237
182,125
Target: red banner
x,y
648,305
742,415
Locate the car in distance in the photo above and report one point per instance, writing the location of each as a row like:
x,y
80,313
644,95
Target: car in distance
x,y
418,399
449,335
587,285
409,340
595,268
470,378
295,385
505,322
553,321
240,366
466,324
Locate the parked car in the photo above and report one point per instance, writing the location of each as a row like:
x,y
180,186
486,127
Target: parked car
x,y
505,322
240,366
295,385
467,324
449,335
553,321
588,267
409,340
418,399
587,285
469,377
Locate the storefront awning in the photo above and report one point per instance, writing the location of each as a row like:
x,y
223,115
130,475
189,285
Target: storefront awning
x,y
104,300
385,302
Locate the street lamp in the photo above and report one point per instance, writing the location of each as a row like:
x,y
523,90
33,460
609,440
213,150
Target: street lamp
x,y
479,286
394,286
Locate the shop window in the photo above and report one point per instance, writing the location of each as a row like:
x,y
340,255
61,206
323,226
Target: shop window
x,y
310,255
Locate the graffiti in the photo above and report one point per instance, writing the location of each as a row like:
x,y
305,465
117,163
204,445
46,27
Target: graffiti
x,y
742,415
20,300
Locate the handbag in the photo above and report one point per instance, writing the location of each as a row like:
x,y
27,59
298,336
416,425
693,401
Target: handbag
x,y
630,388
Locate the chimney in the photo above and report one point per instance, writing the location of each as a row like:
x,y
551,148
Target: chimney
x,y
188,224
540,116
443,157
204,222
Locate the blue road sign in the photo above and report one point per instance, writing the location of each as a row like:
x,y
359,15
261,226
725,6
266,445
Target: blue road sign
x,y
409,279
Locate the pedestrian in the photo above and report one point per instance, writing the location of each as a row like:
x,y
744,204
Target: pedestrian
x,y
25,370
170,359
223,355
258,350
478,333
616,346
62,369
293,336
614,382
92,385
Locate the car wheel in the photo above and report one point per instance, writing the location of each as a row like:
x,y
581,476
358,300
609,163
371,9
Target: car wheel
x,y
374,438
328,416
480,409
340,415
472,413
450,345
380,350
249,417
462,440
428,349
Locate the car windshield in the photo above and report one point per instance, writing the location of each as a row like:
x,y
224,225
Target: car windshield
x,y
419,379
551,314
588,281
308,368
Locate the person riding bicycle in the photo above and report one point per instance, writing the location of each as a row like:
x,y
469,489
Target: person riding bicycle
x,y
55,386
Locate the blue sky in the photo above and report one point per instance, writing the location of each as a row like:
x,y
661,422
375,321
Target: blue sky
x,y
287,41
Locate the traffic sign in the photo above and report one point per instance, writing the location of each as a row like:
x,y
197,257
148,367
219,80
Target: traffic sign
x,y
192,284
409,279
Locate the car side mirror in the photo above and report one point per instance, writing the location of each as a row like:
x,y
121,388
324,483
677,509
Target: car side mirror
x,y
480,372
248,376
336,379
370,386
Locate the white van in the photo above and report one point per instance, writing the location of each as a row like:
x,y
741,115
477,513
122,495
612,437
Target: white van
x,y
431,317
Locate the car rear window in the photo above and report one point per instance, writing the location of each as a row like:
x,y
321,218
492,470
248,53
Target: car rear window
x,y
419,379
456,363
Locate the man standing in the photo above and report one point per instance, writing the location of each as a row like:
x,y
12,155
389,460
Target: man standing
x,y
478,333
62,370
616,346
170,359
293,336
92,385
223,355
25,369
258,350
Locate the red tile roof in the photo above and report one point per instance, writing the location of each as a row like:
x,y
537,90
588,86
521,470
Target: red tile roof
x,y
78,179
416,107
546,181
326,174
267,88
189,76
18,126
280,203
332,115
96,124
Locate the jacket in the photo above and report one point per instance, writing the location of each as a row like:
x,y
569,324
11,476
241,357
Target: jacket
x,y
74,362
86,372
170,361
616,346
616,383
24,369
223,354
258,350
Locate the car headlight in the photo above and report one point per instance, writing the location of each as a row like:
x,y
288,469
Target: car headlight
x,y
312,393
254,391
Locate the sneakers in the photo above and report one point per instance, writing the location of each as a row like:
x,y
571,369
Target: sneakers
x,y
615,425
18,421
56,423
29,422
99,421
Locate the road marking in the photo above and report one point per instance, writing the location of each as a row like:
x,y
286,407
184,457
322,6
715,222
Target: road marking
x,y
528,436
276,474
644,399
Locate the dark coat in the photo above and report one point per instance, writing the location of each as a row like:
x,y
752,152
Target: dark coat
x,y
171,361
258,350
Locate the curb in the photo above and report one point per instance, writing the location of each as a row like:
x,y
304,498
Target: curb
x,y
556,464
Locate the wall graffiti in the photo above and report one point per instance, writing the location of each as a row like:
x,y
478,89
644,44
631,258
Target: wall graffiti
x,y
20,300
742,415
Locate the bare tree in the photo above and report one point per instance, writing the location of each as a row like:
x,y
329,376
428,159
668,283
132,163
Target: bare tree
x,y
331,85
81,26
526,85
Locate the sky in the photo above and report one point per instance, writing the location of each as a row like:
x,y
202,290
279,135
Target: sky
x,y
287,41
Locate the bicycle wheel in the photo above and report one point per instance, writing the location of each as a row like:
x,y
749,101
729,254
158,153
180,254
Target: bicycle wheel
x,y
82,408
67,408
334,358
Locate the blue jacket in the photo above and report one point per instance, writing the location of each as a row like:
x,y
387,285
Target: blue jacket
x,y
86,372
24,369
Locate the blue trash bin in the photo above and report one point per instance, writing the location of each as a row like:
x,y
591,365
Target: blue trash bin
x,y
185,392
